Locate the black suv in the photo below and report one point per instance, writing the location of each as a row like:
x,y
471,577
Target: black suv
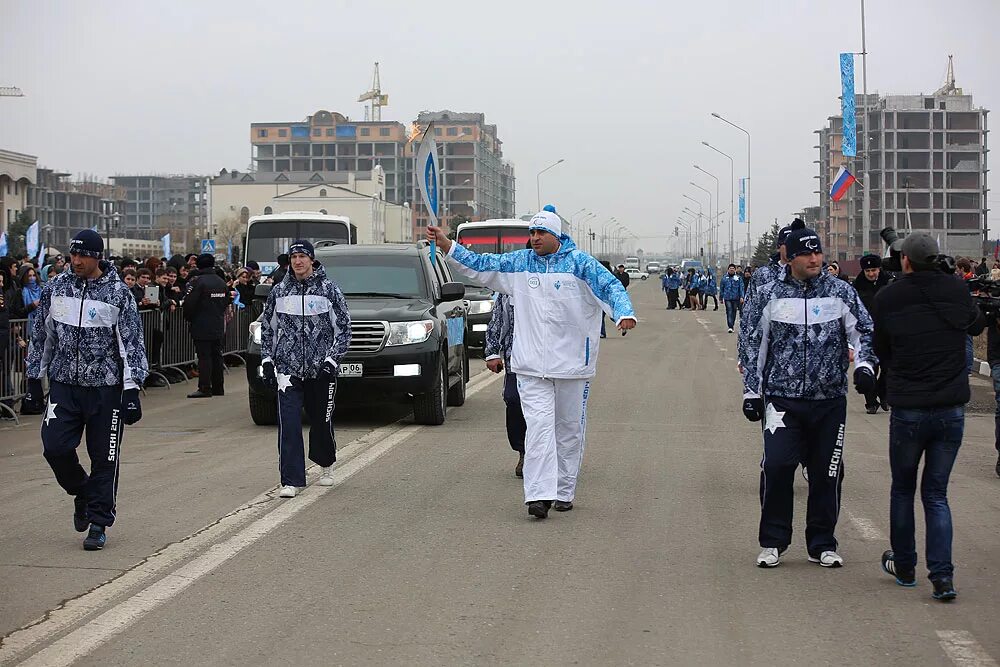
x,y
407,332
479,300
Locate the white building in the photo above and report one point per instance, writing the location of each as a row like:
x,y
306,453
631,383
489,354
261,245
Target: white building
x,y
234,197
17,172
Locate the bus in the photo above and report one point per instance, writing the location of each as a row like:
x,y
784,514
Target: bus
x,y
493,236
631,262
269,235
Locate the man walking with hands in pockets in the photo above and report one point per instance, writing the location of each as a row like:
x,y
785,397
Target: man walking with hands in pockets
x,y
560,293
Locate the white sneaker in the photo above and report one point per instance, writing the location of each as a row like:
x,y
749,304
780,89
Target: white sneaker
x,y
828,559
769,557
730,330
288,492
326,476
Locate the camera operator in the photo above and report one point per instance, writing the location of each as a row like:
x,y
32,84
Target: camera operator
x,y
921,323
868,283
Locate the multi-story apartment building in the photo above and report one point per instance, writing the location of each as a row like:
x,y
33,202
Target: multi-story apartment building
x,y
928,172
328,142
159,204
63,207
17,174
477,182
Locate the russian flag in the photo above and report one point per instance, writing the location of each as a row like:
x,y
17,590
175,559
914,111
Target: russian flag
x,y
841,184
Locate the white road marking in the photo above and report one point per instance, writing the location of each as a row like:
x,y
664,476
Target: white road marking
x,y
118,618
866,527
963,649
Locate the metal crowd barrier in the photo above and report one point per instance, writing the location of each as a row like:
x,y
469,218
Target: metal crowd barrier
x,y
167,338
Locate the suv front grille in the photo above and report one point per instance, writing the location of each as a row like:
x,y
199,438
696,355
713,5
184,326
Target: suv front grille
x,y
367,336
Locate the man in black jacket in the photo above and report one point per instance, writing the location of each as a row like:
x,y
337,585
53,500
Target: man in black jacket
x,y
921,324
205,308
993,356
868,283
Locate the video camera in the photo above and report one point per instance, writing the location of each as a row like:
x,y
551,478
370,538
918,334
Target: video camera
x,y
893,262
986,293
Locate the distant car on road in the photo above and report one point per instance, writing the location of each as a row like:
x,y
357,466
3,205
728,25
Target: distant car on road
x,y
636,274
653,267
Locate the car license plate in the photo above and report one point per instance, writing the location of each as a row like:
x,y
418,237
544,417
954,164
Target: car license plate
x,y
351,370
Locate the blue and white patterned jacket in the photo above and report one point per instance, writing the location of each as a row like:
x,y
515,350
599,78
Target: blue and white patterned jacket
x,y
88,333
731,287
797,336
304,324
500,330
559,301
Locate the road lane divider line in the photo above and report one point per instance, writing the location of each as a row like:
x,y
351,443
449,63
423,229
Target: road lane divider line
x,y
963,649
24,639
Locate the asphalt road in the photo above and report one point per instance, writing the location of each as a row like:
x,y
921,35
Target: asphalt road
x,y
423,553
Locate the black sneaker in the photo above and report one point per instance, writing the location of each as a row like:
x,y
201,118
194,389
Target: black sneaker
x,y
998,466
905,576
562,505
539,508
944,589
872,409
519,468
200,394
80,520
95,538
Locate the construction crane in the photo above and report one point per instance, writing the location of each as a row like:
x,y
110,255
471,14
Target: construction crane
x,y
949,87
377,99
10,91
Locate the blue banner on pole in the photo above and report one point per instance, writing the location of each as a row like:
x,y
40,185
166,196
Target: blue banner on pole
x,y
165,240
849,145
743,200
3,244
31,240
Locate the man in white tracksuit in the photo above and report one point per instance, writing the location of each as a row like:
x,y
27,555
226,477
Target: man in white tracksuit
x,y
560,293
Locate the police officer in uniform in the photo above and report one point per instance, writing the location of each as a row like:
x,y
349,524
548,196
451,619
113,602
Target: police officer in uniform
x,y
205,308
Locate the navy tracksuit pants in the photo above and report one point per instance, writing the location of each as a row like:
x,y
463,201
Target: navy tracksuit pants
x,y
317,397
98,410
802,432
516,426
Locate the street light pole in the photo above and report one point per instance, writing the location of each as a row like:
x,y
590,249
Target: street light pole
x,y
538,183
715,225
701,211
744,131
732,200
866,213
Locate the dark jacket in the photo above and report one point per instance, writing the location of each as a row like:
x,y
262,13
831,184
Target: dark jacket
x,y
205,305
868,289
623,277
921,324
993,338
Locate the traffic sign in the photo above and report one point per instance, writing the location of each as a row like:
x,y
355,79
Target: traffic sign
x,y
208,246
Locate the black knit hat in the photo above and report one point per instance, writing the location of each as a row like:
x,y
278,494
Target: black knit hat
x,y
783,233
205,261
801,242
87,243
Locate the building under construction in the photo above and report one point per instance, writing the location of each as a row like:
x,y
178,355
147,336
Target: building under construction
x,y
928,172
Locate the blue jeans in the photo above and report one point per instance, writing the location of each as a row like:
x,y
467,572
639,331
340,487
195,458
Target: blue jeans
x,y
935,434
731,307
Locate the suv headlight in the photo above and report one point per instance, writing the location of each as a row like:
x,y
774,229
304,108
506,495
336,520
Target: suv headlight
x,y
480,307
255,332
406,333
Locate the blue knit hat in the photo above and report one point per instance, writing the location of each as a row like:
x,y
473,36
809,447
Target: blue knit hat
x,y
302,246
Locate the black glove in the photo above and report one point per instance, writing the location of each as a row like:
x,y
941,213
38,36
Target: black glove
x,y
753,409
131,406
328,371
864,380
270,379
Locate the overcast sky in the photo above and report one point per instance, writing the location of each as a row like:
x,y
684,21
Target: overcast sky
x,y
621,90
